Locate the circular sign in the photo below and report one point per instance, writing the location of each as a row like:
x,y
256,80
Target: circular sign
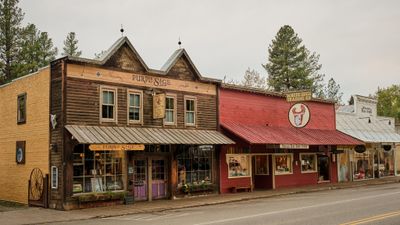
x,y
299,115
20,155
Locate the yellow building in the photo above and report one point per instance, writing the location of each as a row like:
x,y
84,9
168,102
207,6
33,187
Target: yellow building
x,y
31,128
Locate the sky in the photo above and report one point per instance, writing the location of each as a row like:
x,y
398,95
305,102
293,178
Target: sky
x,y
358,41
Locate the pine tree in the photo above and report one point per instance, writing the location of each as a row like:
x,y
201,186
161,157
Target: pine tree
x,y
71,46
332,91
10,19
291,66
253,79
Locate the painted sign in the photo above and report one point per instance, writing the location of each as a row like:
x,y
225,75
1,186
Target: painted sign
x,y
159,106
298,96
294,146
299,115
116,147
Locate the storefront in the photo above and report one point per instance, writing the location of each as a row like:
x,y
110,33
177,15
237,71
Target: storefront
x,y
282,140
122,132
379,156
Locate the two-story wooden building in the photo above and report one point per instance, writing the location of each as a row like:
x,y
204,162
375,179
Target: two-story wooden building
x,y
119,130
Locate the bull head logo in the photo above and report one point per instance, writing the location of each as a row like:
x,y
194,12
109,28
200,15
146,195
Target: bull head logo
x,y
299,115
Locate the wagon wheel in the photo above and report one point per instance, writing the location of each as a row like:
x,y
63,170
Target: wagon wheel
x,y
36,188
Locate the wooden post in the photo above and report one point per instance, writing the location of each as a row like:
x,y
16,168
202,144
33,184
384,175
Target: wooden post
x,y
149,179
173,174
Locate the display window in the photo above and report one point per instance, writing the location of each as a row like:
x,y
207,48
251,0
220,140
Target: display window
x,y
397,154
283,164
343,166
194,165
308,162
96,171
238,165
386,163
362,165
261,165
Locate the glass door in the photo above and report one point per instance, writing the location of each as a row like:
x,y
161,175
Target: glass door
x,y
140,179
159,178
323,168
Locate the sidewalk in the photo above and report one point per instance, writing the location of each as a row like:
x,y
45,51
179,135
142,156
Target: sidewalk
x,y
41,216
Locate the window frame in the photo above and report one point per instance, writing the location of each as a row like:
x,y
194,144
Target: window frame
x,y
291,164
255,164
187,97
248,156
115,114
315,163
140,93
174,97
19,97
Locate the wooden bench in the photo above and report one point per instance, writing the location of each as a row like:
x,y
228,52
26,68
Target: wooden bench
x,y
235,189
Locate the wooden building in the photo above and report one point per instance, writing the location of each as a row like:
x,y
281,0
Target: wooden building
x,y
282,140
119,131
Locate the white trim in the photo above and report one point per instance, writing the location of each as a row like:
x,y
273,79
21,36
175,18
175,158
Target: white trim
x,y
140,93
248,162
315,163
185,98
115,111
175,112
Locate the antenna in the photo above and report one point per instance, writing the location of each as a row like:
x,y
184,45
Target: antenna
x,y
179,42
122,30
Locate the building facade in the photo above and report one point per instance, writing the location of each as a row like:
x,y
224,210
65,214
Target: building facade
x,y
381,156
282,140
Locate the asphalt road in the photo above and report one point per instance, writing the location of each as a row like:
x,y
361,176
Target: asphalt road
x,y
364,205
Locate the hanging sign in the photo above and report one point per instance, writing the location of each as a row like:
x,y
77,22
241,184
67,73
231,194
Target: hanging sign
x,y
299,96
116,147
299,115
159,106
294,146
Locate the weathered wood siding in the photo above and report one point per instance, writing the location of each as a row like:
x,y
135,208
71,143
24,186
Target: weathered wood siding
x,y
14,177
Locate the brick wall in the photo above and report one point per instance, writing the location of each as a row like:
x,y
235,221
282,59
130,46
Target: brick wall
x,y
14,178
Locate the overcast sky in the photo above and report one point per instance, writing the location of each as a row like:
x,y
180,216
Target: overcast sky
x,y
358,41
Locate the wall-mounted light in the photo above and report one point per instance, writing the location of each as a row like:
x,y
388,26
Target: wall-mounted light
x,y
369,118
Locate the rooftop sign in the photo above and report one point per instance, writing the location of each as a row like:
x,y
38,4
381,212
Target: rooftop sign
x,y
298,96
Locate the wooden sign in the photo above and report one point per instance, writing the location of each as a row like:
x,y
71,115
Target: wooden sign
x,y
299,96
294,146
116,147
159,106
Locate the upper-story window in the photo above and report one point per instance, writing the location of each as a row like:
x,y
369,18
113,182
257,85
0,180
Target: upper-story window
x,y
170,110
21,108
135,106
190,111
108,104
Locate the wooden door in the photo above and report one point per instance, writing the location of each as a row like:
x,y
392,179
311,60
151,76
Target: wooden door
x,y
140,179
159,178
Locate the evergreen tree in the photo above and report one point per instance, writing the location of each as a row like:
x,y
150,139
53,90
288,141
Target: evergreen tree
x,y
37,50
10,19
100,54
253,79
71,46
332,91
291,66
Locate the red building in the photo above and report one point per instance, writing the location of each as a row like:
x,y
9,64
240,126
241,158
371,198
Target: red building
x,y
280,141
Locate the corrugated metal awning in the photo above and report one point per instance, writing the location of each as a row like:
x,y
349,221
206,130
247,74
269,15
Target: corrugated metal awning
x,y
133,135
262,134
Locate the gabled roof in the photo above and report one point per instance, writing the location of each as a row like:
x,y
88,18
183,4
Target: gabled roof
x,y
164,69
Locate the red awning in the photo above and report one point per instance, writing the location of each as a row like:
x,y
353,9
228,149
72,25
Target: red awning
x,y
262,134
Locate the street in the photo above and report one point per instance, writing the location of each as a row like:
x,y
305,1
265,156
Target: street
x,y
363,205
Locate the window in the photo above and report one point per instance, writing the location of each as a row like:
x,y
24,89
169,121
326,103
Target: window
x,y
21,109
190,111
108,103
194,165
170,109
135,106
283,164
308,163
96,171
261,165
238,165
363,165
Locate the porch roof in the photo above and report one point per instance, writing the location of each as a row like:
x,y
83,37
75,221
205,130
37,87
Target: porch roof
x,y
263,134
133,135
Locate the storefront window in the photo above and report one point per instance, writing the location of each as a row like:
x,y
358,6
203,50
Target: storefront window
x,y
308,163
261,165
283,164
398,159
386,163
194,165
96,171
362,165
343,164
238,165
